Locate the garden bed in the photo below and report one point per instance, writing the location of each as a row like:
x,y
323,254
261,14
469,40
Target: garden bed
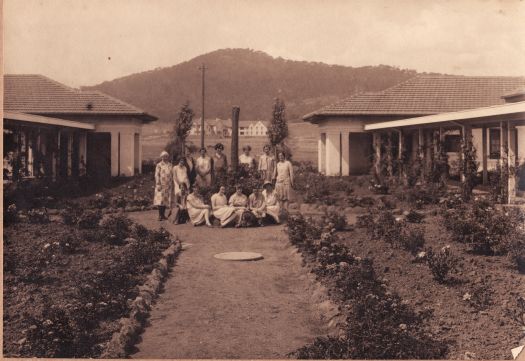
x,y
66,288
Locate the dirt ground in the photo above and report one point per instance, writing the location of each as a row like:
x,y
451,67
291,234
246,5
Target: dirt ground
x,y
222,309
488,333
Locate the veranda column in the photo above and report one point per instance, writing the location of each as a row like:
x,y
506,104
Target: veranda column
x,y
512,163
428,150
504,151
321,153
345,153
333,154
484,155
460,155
400,157
82,152
376,137
467,140
115,153
389,156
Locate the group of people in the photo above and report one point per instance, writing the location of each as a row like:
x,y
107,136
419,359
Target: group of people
x,y
177,189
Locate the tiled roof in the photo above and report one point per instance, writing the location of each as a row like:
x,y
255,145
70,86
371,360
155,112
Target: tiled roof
x,y
37,94
426,94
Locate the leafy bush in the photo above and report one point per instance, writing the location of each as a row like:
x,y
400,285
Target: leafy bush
x,y
414,216
117,228
441,263
70,215
335,219
420,195
388,228
38,216
486,229
11,215
89,219
101,200
480,297
301,231
118,202
365,221
324,348
413,240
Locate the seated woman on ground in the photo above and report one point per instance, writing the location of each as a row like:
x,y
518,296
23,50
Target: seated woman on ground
x,y
257,206
221,210
198,211
239,201
272,202
180,207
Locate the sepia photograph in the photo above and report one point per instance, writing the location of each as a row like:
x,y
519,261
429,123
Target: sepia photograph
x,y
263,179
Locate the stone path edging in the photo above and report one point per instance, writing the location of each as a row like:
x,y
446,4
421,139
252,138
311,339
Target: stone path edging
x,y
130,328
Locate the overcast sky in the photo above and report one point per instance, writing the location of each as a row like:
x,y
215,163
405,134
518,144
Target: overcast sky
x,y
84,42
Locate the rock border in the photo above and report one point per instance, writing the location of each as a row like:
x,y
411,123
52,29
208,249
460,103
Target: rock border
x,y
130,328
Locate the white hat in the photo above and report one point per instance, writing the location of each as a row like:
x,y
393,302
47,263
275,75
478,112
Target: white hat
x,y
164,153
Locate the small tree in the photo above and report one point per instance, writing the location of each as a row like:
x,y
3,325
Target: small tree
x,y
278,130
181,130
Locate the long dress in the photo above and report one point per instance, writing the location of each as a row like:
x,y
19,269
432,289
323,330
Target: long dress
x,y
284,180
272,204
221,210
163,184
240,202
193,204
180,176
266,167
203,168
220,166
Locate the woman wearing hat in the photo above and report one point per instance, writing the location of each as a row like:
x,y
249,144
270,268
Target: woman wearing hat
x,y
203,169
163,185
271,201
220,162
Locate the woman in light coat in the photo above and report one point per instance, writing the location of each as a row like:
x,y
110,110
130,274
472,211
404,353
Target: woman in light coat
x,y
221,210
163,185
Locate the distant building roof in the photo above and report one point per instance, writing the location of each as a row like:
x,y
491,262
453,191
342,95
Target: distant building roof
x,y
37,94
424,95
247,123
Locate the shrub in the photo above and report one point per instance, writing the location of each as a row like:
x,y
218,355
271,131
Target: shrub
x,y
441,263
11,215
100,200
89,219
117,228
335,219
413,240
138,231
118,202
365,221
324,348
301,231
38,216
69,243
388,228
70,215
414,216
480,297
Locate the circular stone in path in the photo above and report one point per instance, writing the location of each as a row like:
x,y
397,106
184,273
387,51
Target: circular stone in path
x,y
239,256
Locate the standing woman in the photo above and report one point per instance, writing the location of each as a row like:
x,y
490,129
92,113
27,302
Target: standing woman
x,y
198,211
266,165
284,180
245,159
163,185
220,162
180,176
203,169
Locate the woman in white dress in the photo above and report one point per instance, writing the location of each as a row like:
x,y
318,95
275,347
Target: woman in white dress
x,y
203,169
284,180
239,201
180,176
266,165
198,211
245,159
271,201
221,210
257,205
163,185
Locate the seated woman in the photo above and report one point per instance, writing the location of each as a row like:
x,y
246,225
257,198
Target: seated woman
x,y
240,202
221,210
257,206
180,207
198,211
271,201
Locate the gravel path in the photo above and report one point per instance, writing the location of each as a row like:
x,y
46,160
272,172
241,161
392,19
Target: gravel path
x,y
220,309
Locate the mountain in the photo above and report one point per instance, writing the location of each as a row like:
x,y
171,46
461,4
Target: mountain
x,y
250,79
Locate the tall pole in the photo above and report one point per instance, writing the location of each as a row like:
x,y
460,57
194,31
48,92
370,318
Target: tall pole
x,y
235,138
203,68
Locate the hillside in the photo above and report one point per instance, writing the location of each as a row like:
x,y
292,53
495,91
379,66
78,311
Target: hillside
x,y
250,79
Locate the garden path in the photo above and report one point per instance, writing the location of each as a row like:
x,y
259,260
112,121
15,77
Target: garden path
x,y
220,309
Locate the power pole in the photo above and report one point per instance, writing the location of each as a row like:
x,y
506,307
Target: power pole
x,y
203,69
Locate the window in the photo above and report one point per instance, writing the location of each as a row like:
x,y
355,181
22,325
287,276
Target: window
x,y
452,143
494,143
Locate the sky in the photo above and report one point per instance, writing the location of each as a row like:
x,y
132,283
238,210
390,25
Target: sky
x,y
85,42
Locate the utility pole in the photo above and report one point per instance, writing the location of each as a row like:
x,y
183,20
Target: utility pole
x,y
203,69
